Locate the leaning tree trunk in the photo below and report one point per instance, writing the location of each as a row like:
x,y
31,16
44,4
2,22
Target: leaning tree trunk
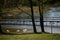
x,y
41,15
34,27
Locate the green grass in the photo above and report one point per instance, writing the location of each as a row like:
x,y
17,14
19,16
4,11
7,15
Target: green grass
x,y
42,36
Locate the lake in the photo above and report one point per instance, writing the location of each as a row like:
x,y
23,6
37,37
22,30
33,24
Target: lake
x,y
52,14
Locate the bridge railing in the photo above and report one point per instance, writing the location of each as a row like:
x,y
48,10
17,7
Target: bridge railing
x,y
46,21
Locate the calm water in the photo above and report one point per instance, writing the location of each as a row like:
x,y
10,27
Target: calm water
x,y
47,29
52,12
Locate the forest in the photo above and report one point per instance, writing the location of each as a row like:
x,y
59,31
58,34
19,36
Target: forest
x,y
13,3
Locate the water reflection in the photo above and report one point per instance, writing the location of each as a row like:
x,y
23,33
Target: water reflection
x,y
53,14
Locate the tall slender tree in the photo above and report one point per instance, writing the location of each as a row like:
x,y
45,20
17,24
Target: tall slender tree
x,y
1,5
0,24
34,27
41,14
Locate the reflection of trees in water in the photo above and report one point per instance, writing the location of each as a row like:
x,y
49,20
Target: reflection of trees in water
x,y
17,13
53,12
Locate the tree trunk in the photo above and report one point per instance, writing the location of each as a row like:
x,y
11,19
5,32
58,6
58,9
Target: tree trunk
x,y
34,27
41,15
0,29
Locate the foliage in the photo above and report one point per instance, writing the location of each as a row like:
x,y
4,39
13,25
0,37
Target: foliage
x,y
9,4
14,3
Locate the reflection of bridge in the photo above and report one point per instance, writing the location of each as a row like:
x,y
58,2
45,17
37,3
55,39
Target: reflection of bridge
x,y
47,21
52,18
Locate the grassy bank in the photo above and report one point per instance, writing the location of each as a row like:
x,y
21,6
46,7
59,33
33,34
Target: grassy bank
x,y
42,36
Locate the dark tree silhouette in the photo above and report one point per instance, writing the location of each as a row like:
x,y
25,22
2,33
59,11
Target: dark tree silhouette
x,y
1,5
34,27
0,16
41,15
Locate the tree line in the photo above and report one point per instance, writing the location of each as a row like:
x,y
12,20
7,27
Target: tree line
x,y
13,3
